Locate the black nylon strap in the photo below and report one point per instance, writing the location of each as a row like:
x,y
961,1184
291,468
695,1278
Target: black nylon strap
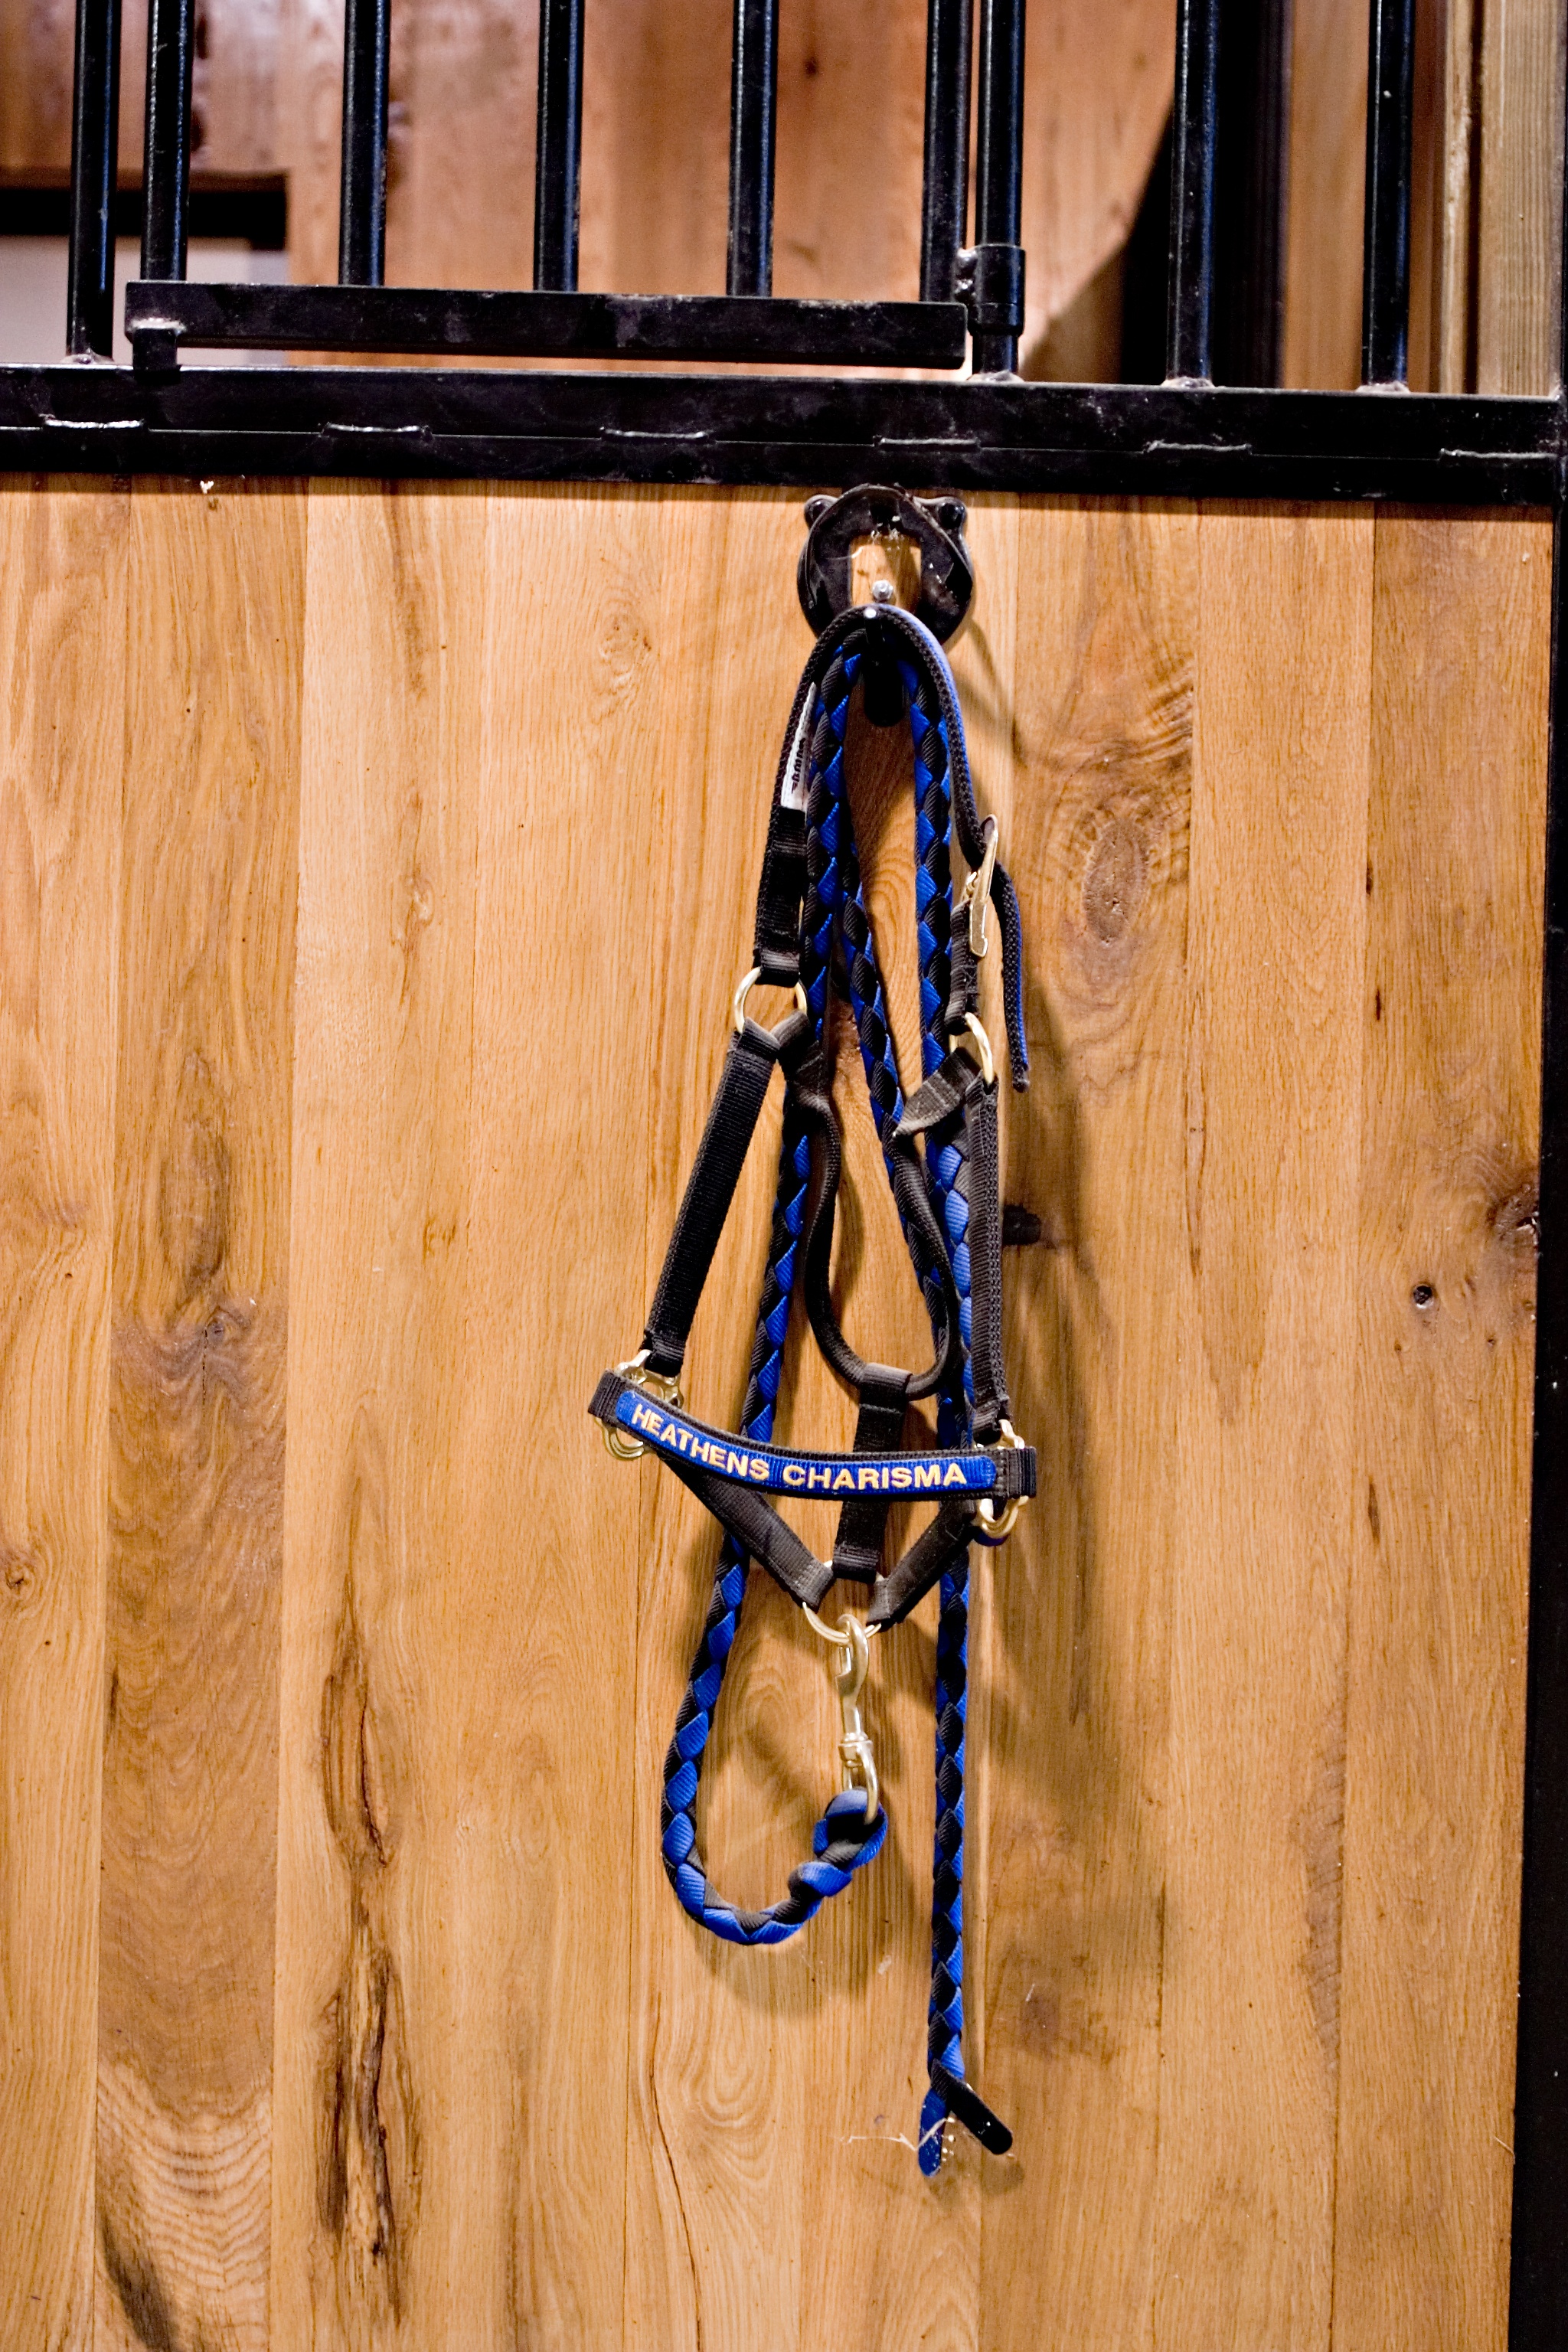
x,y
919,1221
930,1556
963,996
879,1429
992,1406
759,1530
710,1187
775,948
971,2110
958,1085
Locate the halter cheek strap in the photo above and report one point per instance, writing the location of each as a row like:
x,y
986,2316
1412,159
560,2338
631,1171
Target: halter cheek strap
x,y
940,1150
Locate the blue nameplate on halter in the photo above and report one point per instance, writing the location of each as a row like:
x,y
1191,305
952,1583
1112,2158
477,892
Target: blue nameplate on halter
x,y
769,1468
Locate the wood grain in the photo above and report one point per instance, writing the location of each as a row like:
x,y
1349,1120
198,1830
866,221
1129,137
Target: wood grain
x,y
1075,1675
1449,58
1328,174
1265,1430
715,2189
1244,1741
1451,1023
370,2105
200,1307
566,954
62,624
1519,226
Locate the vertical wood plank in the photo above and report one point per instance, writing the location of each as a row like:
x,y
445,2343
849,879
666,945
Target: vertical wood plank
x,y
62,624
1265,1430
1328,175
372,2123
1435,1730
714,2191
1074,1676
200,1303
566,956
1518,266
1451,236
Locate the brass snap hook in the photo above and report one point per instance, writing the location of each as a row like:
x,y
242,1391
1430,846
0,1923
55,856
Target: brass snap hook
x,y
849,1679
975,894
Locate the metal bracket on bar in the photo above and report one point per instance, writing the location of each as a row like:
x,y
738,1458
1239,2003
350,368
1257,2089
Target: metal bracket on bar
x,y
876,510
989,282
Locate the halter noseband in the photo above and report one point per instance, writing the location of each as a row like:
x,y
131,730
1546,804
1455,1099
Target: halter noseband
x,y
940,1148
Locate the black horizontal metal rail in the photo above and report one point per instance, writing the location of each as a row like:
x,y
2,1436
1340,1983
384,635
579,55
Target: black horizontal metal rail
x,y
555,325
997,433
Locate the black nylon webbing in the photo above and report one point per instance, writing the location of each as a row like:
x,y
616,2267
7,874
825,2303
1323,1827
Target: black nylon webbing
x,y
758,1529
879,1429
957,1086
991,1402
710,1187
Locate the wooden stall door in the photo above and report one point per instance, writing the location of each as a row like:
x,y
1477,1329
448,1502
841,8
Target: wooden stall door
x,y
376,865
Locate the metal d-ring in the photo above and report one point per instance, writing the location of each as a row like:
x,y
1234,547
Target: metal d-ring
x,y
748,983
977,1028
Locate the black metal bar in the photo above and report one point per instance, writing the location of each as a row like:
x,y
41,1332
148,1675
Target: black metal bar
x,y
361,193
558,156
167,172
95,146
1251,177
754,102
1189,338
1158,441
555,326
999,159
944,205
1386,268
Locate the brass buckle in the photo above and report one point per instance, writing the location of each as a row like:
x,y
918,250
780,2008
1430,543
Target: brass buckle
x,y
997,1529
664,1386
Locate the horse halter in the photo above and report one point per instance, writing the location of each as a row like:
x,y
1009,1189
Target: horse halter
x,y
940,1148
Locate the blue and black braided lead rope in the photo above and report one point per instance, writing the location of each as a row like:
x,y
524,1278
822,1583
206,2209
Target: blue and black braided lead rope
x,y
835,907
843,1839
947,1168
834,886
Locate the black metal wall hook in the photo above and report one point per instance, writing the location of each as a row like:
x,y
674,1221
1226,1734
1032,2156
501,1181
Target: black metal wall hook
x,y
873,510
